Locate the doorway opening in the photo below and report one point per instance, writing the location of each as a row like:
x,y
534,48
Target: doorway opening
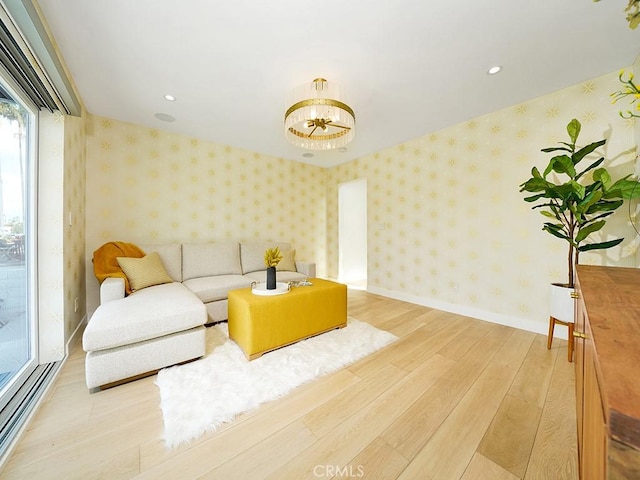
x,y
352,233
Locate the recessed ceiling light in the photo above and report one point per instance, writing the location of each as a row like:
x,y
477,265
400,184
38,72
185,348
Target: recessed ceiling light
x,y
495,69
342,149
307,155
165,117
171,98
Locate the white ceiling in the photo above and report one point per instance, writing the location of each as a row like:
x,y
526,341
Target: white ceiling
x,y
410,67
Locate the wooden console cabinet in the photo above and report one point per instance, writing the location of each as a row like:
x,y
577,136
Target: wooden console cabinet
x,y
607,348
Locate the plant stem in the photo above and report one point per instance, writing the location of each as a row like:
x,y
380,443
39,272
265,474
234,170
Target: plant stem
x,y
573,252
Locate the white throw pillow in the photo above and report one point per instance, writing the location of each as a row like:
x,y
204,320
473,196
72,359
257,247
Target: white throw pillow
x,y
288,262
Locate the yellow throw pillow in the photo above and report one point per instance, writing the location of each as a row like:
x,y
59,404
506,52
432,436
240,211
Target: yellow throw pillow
x,y
288,261
144,272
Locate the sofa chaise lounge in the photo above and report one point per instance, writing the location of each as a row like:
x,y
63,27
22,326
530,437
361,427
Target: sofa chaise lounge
x,y
163,324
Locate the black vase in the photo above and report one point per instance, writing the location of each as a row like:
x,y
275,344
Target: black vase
x,y
271,278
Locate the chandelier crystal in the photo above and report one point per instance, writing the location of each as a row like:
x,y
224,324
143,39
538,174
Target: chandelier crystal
x,y
319,118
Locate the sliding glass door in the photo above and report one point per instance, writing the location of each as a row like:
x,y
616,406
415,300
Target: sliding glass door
x,y
18,347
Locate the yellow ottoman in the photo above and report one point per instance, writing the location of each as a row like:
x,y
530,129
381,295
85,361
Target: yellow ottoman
x,y
259,324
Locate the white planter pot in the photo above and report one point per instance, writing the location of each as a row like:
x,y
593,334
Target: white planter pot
x,y
561,303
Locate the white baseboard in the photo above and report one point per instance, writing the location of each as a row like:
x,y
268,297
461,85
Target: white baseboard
x,y
493,317
78,331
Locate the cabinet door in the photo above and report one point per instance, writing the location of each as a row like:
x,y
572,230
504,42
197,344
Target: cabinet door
x,y
594,433
579,368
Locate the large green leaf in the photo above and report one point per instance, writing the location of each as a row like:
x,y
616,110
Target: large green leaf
x,y
604,206
600,246
573,129
560,192
590,167
584,151
556,230
571,190
624,188
533,198
588,230
542,205
555,149
535,185
561,164
548,214
601,175
602,215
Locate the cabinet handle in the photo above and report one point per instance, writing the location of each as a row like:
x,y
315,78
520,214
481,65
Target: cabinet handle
x,y
580,335
575,294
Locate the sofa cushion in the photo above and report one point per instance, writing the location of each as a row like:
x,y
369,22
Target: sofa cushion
x,y
288,262
252,254
148,313
171,256
144,272
207,259
211,289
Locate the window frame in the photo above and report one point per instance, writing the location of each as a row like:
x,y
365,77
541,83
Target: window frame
x,y
30,229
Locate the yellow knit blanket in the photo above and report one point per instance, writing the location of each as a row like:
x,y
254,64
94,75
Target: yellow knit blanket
x,y
105,263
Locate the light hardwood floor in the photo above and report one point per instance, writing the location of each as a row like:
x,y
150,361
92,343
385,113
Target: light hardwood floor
x,y
453,398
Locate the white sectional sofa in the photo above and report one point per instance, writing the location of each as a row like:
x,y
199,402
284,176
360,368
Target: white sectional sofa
x,y
162,325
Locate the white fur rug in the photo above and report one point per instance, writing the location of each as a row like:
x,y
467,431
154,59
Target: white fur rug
x,y
202,395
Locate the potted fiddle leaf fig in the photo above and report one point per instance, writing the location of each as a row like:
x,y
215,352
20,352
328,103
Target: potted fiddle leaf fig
x,y
576,200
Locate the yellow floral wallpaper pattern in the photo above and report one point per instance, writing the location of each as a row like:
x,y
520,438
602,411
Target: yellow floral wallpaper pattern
x,y
74,222
51,301
150,186
61,231
458,235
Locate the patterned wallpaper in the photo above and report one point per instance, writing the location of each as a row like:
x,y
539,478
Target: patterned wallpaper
x,y
458,235
61,246
74,224
150,186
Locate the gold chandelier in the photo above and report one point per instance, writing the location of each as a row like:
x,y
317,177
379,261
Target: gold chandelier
x,y
318,118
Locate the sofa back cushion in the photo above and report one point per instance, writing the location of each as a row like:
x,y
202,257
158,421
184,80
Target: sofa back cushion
x,y
252,254
171,256
207,259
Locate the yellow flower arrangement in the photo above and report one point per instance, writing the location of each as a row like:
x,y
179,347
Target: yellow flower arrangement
x,y
630,89
633,13
272,257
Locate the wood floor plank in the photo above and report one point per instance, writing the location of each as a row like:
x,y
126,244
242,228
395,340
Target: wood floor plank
x,y
403,349
404,324
447,453
53,440
473,331
343,443
378,461
481,468
509,440
117,434
263,458
555,450
222,446
413,429
411,359
337,410
532,382
112,455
